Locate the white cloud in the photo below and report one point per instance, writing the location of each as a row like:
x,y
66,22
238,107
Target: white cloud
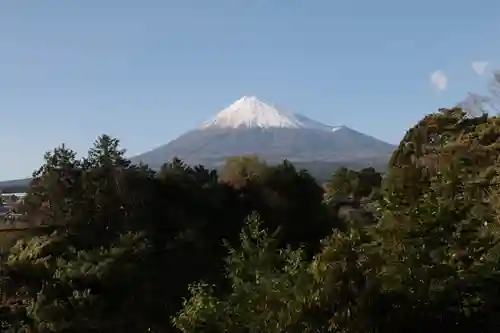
x,y
479,67
439,80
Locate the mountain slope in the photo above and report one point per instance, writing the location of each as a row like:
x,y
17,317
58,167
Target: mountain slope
x,y
250,126
14,186
212,146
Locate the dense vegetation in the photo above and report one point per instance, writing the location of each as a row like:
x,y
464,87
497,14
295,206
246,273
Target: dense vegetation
x,y
320,170
257,248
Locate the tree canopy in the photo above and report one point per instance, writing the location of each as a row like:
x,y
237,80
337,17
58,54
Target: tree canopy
x,y
263,248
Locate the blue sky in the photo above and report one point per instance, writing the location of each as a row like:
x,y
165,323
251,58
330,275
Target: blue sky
x,y
146,71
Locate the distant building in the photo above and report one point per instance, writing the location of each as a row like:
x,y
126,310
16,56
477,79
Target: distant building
x,y
12,198
8,203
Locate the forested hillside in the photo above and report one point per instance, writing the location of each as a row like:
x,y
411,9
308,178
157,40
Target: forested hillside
x,y
259,248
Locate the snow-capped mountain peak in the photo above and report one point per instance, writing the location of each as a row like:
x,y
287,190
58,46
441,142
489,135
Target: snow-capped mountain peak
x,y
250,112
251,126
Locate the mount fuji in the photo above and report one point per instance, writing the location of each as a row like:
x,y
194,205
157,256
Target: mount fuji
x,y
251,126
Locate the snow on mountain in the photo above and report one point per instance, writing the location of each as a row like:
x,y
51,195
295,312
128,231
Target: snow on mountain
x,y
250,126
336,128
250,112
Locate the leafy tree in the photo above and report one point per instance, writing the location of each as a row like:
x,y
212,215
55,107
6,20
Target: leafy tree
x,y
342,185
346,184
239,169
54,185
268,289
290,200
435,234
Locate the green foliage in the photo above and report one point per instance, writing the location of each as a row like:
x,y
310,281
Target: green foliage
x,y
349,185
291,200
259,249
430,264
238,170
122,243
266,293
